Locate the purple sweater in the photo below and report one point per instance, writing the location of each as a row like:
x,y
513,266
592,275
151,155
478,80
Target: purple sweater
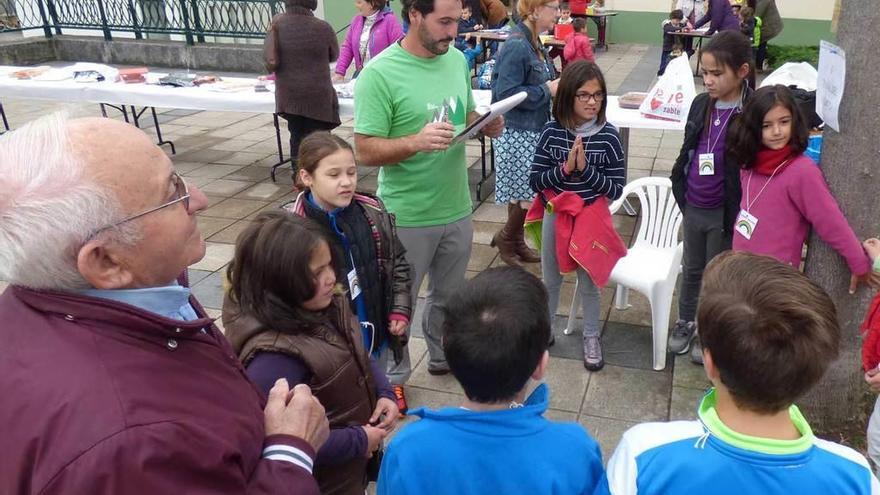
x,y
344,443
721,15
796,199
386,31
707,191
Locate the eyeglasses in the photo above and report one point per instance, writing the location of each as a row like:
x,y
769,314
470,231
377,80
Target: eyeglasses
x,y
554,7
181,195
586,97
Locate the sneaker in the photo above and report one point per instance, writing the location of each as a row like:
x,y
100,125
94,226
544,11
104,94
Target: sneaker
x,y
682,335
438,371
697,352
593,353
401,400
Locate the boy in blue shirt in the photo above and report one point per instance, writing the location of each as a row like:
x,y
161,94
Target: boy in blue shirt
x,y
495,339
768,334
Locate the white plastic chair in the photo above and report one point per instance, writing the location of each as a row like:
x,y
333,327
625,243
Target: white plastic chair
x,y
653,263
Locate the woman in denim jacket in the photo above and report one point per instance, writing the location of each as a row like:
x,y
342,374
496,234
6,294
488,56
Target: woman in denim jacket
x,y
522,65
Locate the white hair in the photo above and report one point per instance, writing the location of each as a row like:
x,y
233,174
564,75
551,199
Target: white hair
x,y
49,208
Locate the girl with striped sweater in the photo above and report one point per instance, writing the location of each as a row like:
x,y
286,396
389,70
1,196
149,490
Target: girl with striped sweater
x,y
579,152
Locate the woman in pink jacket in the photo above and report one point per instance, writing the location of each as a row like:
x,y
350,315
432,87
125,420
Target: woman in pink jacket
x,y
372,30
784,193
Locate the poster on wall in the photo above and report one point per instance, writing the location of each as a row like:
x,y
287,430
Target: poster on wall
x,y
829,88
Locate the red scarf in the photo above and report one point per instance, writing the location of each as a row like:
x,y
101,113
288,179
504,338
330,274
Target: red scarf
x,y
767,160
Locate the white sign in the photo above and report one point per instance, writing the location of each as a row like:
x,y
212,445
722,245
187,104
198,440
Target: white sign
x,y
832,77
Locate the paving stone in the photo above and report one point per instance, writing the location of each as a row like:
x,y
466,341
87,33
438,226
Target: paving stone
x,y
209,291
561,416
265,191
663,164
568,381
230,234
606,431
684,403
491,213
234,208
217,316
689,375
637,151
253,173
433,399
184,168
628,394
481,257
196,276
214,171
3,286
421,378
233,145
209,226
629,346
639,162
203,155
225,187
483,231
241,158
216,256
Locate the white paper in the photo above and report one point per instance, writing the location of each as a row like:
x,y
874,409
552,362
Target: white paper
x,y
832,77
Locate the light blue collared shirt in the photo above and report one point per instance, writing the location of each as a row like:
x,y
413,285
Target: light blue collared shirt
x,y
170,301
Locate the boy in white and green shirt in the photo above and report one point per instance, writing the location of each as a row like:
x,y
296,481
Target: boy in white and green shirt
x,y
768,334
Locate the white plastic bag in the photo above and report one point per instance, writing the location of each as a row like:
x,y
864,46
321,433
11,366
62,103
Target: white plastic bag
x,y
671,97
802,75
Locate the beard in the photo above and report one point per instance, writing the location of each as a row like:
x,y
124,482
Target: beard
x,y
432,45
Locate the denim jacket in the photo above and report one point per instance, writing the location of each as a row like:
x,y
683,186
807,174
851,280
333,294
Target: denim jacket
x,y
519,68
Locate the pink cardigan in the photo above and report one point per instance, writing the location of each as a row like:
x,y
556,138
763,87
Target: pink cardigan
x,y
796,199
387,30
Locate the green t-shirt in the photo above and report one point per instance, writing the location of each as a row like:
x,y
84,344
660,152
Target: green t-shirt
x,y
396,94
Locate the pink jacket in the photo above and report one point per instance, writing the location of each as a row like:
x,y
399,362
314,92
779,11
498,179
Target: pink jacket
x,y
585,234
578,47
386,31
796,199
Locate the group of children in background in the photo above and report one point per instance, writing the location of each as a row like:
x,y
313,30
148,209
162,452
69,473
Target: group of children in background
x,y
578,45
674,44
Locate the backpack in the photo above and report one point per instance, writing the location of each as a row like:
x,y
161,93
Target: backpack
x,y
806,102
484,77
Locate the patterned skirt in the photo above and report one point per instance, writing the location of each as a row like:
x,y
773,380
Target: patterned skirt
x,y
514,151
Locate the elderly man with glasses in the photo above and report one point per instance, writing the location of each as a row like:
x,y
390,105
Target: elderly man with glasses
x,y
112,378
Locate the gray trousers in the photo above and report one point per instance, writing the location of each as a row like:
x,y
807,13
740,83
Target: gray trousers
x,y
587,290
704,238
442,253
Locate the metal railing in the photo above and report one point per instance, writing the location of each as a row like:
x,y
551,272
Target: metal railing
x,y
193,19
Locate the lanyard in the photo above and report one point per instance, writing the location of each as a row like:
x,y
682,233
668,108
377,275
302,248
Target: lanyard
x,y
750,203
709,145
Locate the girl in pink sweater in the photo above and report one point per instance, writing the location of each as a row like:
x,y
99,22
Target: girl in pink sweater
x,y
784,193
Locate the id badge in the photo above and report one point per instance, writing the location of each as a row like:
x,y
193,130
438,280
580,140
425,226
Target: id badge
x,y
746,223
353,284
707,164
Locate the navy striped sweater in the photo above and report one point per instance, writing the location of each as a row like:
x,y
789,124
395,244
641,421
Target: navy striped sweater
x,y
605,173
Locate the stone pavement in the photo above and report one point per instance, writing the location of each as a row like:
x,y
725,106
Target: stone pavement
x,y
228,156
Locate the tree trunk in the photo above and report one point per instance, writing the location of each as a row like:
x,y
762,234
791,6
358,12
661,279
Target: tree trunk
x,y
850,165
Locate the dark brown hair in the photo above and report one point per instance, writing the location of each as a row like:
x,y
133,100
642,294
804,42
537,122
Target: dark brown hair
x,y
317,146
495,333
771,331
579,24
575,75
269,276
732,49
677,14
378,4
746,133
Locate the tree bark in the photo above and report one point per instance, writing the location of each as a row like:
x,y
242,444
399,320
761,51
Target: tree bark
x,y
850,164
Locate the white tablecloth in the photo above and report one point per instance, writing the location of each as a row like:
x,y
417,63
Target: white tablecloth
x,y
117,93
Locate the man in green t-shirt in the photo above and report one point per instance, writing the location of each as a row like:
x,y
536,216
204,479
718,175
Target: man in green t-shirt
x,y
409,103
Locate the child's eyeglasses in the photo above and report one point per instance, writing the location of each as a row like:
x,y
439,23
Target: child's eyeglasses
x,y
586,97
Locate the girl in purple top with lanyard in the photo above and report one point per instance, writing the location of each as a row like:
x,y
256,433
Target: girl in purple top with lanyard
x,y
705,183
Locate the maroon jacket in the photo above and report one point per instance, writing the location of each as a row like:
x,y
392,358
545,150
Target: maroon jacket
x,y
100,397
